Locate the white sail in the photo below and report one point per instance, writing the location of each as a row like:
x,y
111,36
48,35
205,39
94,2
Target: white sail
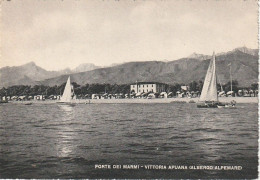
x,y
209,90
67,93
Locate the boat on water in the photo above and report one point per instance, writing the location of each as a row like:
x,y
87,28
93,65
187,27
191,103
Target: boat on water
x,y
68,94
209,94
232,105
29,103
227,106
3,101
191,101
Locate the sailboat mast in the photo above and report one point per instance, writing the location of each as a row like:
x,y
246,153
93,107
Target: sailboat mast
x,y
221,87
230,77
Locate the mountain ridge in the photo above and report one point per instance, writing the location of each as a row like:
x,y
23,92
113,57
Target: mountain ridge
x,y
184,70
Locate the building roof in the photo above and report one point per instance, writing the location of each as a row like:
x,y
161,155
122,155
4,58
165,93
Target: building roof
x,y
141,83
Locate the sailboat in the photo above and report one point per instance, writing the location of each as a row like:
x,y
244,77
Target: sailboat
x,y
68,94
233,102
209,94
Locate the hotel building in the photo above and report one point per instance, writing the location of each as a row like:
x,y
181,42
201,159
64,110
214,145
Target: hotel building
x,y
144,87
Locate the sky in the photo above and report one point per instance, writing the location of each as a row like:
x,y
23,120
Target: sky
x,y
57,34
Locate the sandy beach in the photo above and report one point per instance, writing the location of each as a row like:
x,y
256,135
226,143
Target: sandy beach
x,y
146,101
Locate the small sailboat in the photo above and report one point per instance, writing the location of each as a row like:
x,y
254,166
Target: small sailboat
x,y
232,104
209,94
68,94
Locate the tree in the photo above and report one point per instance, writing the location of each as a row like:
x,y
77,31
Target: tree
x,y
200,85
193,86
254,86
174,88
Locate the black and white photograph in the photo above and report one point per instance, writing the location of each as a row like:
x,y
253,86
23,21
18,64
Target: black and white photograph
x,y
129,89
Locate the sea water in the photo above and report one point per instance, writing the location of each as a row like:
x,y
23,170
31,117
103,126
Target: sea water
x,y
173,140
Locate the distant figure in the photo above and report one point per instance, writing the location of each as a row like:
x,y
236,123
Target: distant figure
x,y
233,103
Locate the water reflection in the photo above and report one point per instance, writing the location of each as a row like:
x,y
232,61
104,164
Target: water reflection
x,y
68,110
210,138
66,134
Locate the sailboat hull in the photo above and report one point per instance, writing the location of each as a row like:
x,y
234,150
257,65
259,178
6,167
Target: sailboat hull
x,y
66,103
210,104
207,106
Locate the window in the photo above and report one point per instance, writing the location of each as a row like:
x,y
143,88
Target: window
x,y
152,85
147,85
147,90
143,85
133,86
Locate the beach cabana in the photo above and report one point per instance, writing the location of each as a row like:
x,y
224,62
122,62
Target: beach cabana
x,y
179,94
30,97
14,97
245,93
221,94
151,96
163,95
251,93
240,92
104,96
95,96
144,95
230,93
138,95
170,94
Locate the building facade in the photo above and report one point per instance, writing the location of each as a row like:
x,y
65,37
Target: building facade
x,y
145,87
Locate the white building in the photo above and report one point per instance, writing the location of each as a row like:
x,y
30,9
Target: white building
x,y
145,87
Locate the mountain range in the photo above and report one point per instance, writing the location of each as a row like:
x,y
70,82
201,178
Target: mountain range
x,y
244,68
31,74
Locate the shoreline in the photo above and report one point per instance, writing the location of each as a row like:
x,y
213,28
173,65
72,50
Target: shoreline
x,y
144,101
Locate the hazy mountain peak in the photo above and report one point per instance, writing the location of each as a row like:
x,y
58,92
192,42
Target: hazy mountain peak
x,y
244,49
85,67
200,57
30,63
253,52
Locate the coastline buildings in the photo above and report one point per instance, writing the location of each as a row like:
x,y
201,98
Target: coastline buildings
x,y
145,87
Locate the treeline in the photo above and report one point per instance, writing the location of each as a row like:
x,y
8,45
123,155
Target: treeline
x,y
197,86
107,88
58,90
